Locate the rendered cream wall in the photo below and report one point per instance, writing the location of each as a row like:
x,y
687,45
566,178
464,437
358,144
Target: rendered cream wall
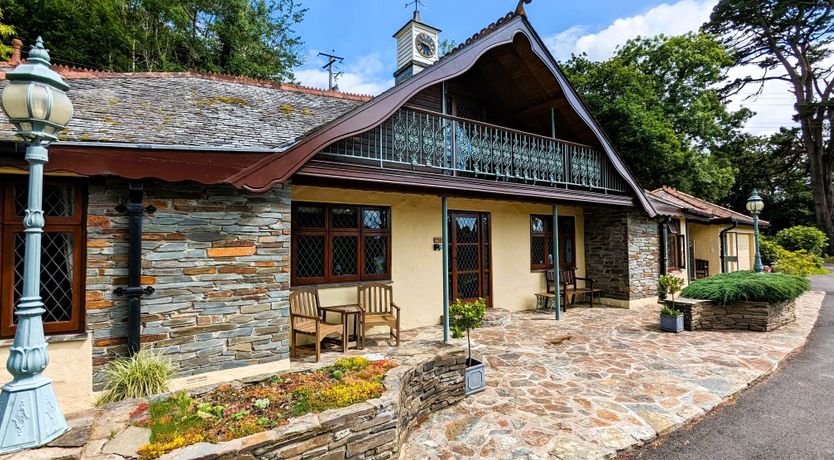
x,y
71,370
417,267
707,245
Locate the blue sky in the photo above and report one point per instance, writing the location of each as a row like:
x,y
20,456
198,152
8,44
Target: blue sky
x,y
360,31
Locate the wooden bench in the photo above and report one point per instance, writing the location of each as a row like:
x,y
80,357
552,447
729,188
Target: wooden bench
x,y
568,286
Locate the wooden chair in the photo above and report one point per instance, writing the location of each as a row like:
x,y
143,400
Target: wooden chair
x,y
378,308
569,286
701,268
305,319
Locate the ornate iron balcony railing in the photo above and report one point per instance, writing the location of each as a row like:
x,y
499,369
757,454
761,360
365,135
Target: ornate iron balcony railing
x,y
430,141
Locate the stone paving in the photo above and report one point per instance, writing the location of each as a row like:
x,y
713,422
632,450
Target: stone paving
x,y
597,382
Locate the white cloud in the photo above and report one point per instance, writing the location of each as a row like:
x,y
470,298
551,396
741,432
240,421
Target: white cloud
x,y
364,76
669,19
773,107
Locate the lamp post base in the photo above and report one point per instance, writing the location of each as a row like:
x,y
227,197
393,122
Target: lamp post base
x,y
31,416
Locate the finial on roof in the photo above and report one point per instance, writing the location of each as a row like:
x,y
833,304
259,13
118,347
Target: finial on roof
x,y
16,46
519,9
39,53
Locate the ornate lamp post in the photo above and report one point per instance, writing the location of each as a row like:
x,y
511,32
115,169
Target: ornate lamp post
x,y
37,105
755,204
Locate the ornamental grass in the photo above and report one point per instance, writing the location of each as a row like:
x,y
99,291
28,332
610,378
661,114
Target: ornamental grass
x,y
727,288
144,374
234,411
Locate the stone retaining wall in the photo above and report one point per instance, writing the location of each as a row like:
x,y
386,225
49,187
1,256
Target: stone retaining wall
x,y
219,261
752,316
371,430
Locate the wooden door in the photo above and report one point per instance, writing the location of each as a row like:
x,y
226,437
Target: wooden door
x,y
469,251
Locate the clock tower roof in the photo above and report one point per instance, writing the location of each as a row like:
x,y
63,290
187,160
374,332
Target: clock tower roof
x,y
416,20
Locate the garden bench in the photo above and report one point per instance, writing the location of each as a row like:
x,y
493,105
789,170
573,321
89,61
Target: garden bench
x,y
306,318
568,286
378,308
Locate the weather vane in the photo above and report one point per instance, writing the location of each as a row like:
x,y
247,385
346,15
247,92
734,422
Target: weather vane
x,y
417,4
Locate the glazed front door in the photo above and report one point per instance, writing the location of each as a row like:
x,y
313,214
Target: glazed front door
x,y
469,250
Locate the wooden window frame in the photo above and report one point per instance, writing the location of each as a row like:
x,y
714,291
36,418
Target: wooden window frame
x,y
329,232
675,246
548,242
11,223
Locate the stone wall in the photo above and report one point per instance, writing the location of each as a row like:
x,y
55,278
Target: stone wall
x,y
750,316
621,252
219,261
371,430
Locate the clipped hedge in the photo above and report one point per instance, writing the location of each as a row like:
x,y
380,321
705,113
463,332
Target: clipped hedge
x,y
747,286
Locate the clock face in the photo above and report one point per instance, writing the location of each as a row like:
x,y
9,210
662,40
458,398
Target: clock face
x,y
425,45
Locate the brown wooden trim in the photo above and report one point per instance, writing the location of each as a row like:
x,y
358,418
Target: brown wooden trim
x,y
205,167
457,185
277,168
484,243
328,232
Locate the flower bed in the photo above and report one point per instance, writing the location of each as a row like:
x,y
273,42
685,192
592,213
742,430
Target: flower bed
x,y
234,411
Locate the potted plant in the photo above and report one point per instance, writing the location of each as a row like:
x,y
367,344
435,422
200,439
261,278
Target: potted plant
x,y
465,316
671,319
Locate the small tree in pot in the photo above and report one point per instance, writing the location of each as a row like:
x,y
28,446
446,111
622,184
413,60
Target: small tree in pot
x,y
671,319
465,316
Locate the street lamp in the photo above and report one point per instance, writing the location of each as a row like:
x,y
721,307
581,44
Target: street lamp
x,y
755,204
37,105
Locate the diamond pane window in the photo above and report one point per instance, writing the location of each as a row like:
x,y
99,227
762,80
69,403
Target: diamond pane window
x,y
376,255
541,242
62,248
344,217
58,199
56,274
375,218
345,251
309,256
309,216
339,243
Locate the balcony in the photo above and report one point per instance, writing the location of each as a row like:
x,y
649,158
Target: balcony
x,y
428,141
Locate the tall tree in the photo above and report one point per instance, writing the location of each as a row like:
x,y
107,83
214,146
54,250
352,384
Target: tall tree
x,y
241,37
791,41
657,99
777,166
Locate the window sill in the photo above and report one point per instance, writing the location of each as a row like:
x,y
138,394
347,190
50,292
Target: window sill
x,y
339,285
56,338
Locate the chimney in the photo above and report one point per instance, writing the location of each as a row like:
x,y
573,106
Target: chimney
x,y
16,46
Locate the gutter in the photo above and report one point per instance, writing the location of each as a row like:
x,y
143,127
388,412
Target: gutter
x,y
722,244
185,148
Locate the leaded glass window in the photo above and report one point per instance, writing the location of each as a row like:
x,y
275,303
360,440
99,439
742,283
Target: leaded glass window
x,y
61,254
541,242
340,243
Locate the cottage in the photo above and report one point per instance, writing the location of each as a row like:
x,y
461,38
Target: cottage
x,y
183,208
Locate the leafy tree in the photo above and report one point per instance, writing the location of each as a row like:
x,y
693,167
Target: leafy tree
x,y
6,31
657,100
776,166
240,37
465,316
790,41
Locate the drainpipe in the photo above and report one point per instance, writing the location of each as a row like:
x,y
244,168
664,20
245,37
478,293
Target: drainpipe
x,y
663,235
722,246
134,290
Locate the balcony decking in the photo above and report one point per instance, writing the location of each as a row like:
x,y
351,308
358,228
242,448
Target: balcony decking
x,y
429,141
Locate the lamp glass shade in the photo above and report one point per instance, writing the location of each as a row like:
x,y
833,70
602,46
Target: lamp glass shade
x,y
755,204
37,110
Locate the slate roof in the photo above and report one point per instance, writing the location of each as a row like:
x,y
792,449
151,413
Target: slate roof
x,y
687,203
191,109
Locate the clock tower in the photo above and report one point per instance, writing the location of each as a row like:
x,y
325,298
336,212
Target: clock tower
x,y
417,48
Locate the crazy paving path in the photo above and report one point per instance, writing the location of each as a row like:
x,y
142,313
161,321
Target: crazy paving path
x,y
599,381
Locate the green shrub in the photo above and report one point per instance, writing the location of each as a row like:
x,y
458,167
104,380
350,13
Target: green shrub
x,y
769,249
670,312
144,374
802,238
465,317
800,263
671,285
739,286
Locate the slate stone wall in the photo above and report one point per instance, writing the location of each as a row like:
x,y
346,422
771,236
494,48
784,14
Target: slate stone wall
x,y
748,316
219,261
370,430
621,252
